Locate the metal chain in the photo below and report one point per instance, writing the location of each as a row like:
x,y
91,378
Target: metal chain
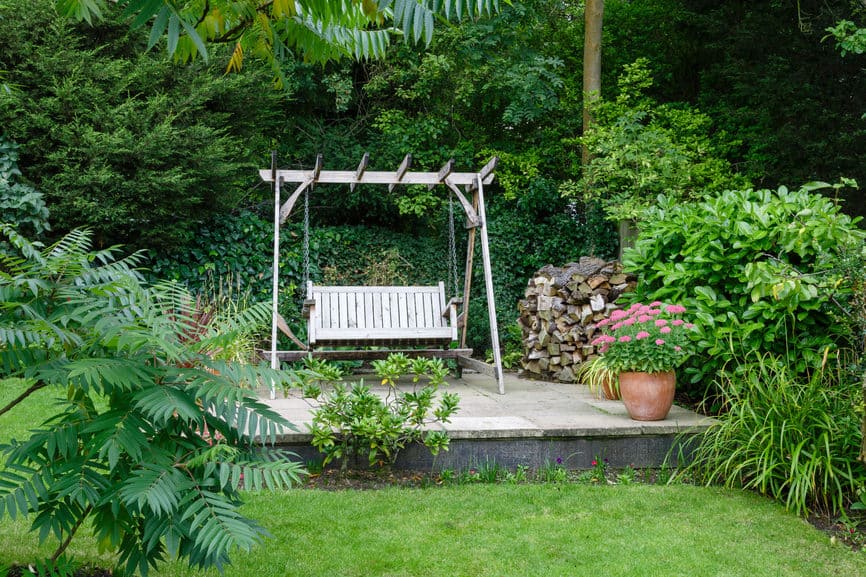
x,y
306,237
452,245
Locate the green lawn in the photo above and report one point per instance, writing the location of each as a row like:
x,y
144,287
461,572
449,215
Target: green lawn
x,y
511,530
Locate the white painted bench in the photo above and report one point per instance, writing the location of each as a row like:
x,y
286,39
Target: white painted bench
x,y
380,315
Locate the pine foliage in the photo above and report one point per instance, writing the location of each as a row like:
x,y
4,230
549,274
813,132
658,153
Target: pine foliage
x,y
152,438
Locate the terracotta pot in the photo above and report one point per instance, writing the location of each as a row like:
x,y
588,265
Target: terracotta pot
x,y
609,389
647,396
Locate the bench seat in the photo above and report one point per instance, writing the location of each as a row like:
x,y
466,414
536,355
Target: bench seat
x,y
380,316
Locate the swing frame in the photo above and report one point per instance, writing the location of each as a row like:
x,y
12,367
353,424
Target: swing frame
x,y
473,186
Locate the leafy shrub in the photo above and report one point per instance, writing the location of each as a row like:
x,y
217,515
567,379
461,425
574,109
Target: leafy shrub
x,y
349,422
640,149
151,435
751,266
792,436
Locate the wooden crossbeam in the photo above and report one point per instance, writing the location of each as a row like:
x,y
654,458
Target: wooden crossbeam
x,y
318,169
486,173
370,177
404,167
365,160
443,173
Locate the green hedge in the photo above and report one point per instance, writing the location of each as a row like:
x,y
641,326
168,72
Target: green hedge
x,y
524,236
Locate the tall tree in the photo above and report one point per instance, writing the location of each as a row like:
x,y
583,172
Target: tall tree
x,y
593,19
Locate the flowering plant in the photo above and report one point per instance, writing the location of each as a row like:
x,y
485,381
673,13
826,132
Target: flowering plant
x,y
647,338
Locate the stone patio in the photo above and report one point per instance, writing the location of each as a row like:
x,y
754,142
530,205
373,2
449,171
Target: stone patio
x,y
533,423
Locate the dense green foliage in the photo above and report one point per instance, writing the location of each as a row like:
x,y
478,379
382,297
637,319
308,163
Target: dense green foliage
x,y
352,421
151,435
134,147
320,30
794,437
639,149
770,82
752,266
19,203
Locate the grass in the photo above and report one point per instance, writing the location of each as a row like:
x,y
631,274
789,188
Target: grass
x,y
483,530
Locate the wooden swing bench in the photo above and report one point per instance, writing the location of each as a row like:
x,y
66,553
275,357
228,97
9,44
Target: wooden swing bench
x,y
381,319
379,316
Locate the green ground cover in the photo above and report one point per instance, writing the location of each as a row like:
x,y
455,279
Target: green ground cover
x,y
482,530
479,530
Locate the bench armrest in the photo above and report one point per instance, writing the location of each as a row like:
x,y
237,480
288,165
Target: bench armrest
x,y
452,305
309,306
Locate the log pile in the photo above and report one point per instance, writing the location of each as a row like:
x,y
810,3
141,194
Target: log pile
x,y
559,312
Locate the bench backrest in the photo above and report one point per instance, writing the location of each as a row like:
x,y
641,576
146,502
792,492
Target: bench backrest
x,y
365,315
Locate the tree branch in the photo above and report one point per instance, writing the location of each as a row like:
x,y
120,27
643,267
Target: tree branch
x,y
232,33
203,13
72,533
35,387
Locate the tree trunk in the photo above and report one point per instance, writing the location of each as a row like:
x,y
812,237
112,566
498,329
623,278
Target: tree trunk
x,y
593,17
863,441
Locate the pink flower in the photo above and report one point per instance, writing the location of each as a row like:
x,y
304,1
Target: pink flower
x,y
661,322
602,322
675,309
655,312
660,342
618,314
615,326
629,321
641,335
665,330
678,348
656,304
690,326
625,339
677,322
634,307
603,348
644,309
644,319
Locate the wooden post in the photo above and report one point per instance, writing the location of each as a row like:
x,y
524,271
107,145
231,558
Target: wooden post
x,y
275,363
488,281
467,278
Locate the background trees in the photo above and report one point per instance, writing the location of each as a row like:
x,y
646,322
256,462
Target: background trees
x,y
163,156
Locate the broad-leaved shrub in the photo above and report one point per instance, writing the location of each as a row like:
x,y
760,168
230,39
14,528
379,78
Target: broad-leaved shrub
x,y
754,268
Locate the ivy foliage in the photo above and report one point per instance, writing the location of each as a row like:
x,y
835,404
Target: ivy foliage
x,y
19,203
754,267
153,437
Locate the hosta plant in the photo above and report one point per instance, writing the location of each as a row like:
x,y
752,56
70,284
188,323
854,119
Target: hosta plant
x,y
152,439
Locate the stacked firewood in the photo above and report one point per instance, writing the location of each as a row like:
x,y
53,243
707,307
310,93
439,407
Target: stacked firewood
x,y
559,314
